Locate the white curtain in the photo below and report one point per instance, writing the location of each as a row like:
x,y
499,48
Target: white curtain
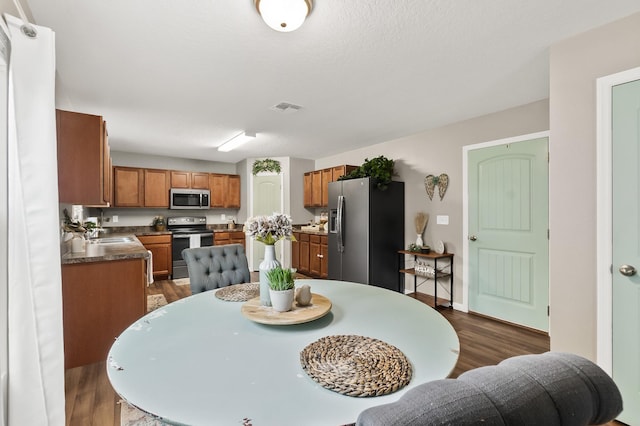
x,y
35,342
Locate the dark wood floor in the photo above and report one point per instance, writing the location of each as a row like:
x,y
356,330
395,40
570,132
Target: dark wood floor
x,y
90,400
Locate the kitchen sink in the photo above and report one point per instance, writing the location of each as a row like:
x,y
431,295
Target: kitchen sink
x,y
113,240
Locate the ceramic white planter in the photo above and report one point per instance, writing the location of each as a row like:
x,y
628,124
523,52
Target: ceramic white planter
x,y
269,262
282,300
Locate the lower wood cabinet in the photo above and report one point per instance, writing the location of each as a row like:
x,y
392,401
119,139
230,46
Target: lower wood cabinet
x,y
160,248
99,300
231,237
317,256
309,254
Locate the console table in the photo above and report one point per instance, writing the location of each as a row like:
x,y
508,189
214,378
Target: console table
x,y
437,274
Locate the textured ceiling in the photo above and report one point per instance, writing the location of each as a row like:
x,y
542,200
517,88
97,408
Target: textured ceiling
x,y
178,78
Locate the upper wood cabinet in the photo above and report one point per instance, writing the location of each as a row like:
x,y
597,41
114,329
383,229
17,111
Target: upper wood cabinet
x,y
316,184
225,190
128,187
138,187
194,180
157,184
84,160
308,189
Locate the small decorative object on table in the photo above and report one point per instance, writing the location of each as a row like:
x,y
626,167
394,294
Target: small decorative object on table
x,y
420,222
440,247
268,230
281,288
303,295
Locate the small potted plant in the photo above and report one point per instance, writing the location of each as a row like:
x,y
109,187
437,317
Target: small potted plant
x,y
281,288
159,224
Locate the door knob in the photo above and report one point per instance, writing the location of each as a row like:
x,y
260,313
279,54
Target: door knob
x,y
627,270
473,237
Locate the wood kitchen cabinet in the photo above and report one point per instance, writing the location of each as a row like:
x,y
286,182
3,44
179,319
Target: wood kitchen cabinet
x,y
225,190
318,258
84,159
308,189
157,184
324,251
231,237
128,186
310,254
139,187
303,265
316,184
193,180
160,248
295,251
99,301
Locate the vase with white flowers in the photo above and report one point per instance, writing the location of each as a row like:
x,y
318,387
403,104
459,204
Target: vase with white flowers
x,y
268,230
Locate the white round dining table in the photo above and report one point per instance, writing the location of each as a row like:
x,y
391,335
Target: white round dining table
x,y
199,361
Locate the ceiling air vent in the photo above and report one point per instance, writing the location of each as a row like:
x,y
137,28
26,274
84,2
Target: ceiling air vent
x,y
286,108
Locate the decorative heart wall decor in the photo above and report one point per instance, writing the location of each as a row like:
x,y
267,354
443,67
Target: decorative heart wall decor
x,y
431,181
443,184
430,185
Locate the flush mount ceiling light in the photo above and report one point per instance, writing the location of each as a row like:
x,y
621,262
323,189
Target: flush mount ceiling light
x,y
284,15
236,141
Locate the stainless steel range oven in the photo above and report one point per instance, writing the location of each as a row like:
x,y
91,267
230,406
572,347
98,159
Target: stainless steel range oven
x,y
186,232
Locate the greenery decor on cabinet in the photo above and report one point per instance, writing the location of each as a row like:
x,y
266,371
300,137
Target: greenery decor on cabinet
x,y
266,165
380,169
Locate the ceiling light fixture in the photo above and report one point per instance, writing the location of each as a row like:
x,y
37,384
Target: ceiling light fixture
x,y
236,141
284,15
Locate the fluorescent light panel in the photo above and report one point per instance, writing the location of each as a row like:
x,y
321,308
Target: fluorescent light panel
x,y
236,141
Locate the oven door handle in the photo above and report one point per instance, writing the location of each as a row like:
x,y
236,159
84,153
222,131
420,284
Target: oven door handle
x,y
206,234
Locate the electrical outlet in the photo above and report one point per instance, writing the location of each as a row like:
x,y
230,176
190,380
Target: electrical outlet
x,y
114,218
223,217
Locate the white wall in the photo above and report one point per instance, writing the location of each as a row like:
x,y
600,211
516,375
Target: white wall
x,y
440,151
129,159
575,64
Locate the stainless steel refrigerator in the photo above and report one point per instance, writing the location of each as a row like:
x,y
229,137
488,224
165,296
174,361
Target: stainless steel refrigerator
x,y
366,230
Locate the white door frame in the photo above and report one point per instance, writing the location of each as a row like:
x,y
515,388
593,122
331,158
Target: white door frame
x,y
604,303
465,204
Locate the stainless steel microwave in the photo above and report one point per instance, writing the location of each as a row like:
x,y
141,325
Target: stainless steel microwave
x,y
189,199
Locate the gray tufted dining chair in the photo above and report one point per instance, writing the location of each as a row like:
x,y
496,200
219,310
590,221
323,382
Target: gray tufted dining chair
x,y
216,266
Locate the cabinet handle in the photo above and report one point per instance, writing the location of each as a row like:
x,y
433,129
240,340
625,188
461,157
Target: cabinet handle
x,y
319,255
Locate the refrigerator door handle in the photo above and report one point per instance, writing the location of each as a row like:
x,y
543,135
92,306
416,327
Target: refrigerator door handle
x,y
339,223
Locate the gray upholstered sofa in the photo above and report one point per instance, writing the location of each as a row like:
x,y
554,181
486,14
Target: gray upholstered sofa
x,y
548,389
216,266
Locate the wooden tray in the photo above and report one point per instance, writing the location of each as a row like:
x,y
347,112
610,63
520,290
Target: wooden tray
x,y
318,308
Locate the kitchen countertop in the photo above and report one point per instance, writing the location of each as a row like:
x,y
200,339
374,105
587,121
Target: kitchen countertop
x,y
108,252
297,229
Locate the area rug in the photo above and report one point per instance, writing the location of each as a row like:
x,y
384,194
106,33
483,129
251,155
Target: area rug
x,y
181,281
131,416
155,301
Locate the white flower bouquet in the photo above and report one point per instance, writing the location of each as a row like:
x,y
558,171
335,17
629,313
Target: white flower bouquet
x,y
269,229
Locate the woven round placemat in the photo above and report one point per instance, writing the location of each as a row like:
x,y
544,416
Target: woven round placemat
x,y
356,365
239,292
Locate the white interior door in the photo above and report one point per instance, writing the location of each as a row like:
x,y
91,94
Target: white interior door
x,y
626,246
508,253
267,199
